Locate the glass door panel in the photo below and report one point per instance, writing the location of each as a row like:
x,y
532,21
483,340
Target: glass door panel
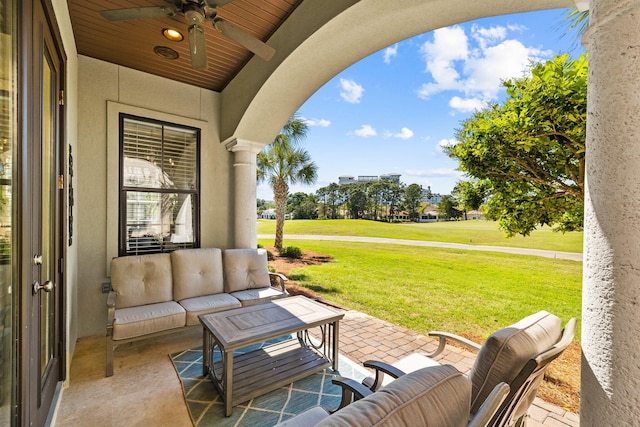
x,y
47,308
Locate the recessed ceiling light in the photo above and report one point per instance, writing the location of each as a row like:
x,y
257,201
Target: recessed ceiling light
x,y
165,52
172,34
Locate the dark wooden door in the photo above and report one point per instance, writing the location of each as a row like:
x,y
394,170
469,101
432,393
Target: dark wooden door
x,y
43,227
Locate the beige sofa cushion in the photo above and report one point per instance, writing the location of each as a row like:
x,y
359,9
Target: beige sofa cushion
x,y
506,351
245,269
437,396
196,272
137,321
207,304
141,280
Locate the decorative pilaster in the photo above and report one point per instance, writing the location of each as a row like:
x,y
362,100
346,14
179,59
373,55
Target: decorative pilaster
x,y
244,191
610,389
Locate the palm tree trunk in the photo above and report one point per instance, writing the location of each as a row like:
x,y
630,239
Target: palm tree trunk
x,y
280,192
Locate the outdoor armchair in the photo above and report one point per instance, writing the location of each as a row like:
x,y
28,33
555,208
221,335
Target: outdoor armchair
x,y
438,396
517,355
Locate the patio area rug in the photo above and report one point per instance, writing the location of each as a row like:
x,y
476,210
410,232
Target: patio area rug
x,y
207,407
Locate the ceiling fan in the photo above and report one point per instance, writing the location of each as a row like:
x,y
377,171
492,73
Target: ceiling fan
x,y
196,12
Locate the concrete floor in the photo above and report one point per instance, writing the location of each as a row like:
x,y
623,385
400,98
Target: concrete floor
x,y
145,390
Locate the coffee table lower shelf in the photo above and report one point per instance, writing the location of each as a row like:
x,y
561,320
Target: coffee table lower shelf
x,y
263,370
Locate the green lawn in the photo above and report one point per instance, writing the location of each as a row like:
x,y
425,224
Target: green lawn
x,y
469,232
465,292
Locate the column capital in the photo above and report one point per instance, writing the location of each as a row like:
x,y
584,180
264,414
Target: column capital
x,y
234,144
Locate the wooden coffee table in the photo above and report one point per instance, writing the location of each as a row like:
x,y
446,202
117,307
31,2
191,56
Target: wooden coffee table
x,y
252,374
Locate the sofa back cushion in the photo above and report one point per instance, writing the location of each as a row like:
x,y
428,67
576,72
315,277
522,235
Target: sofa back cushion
x,y
506,352
142,279
197,272
245,269
437,396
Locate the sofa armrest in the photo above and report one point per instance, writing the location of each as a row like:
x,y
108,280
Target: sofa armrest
x,y
381,368
444,336
280,278
351,390
111,315
111,311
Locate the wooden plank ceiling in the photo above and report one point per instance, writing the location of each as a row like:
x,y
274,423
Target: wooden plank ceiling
x,y
131,43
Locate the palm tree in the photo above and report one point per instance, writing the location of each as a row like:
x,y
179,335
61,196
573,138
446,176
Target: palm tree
x,y
284,163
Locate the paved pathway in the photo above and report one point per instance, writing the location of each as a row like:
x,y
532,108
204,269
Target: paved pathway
x,y
573,256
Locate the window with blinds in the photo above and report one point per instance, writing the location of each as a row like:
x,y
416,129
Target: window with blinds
x,y
159,186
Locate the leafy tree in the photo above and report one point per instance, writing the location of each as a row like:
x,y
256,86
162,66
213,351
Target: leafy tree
x,y
283,163
413,200
470,195
393,197
531,149
357,201
303,206
332,197
376,197
447,208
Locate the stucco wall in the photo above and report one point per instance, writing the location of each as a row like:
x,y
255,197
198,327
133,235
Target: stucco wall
x,y
104,89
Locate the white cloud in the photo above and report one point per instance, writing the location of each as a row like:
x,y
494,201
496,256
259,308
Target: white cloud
x,y
316,122
466,105
486,36
351,91
365,131
444,143
449,45
477,72
497,63
390,52
405,133
517,28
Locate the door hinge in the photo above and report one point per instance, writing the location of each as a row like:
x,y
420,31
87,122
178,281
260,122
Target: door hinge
x,y
61,265
61,99
60,182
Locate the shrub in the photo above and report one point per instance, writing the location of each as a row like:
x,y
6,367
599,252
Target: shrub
x,y
291,252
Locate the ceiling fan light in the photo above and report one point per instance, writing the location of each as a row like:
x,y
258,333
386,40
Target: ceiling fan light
x,y
166,52
172,34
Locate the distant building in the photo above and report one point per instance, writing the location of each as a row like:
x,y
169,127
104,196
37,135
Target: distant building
x,y
348,179
268,214
395,177
429,214
431,198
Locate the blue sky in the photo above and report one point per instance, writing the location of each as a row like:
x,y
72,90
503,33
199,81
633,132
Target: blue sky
x,y
392,111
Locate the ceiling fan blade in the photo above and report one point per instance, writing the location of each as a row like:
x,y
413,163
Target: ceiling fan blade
x,y
197,47
244,39
115,15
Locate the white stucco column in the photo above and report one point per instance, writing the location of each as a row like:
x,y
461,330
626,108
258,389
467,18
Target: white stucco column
x,y
244,191
610,391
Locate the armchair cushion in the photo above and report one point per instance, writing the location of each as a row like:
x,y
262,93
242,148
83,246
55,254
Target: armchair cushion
x,y
506,351
245,269
197,272
437,396
141,280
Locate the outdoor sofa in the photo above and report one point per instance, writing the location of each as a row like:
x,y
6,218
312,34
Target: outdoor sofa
x,y
162,293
